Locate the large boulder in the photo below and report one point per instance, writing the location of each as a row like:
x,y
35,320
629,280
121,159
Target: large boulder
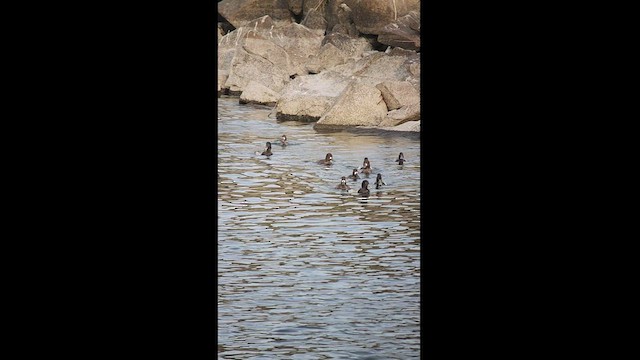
x,y
259,29
353,46
409,126
402,115
246,67
403,33
328,57
222,79
315,21
256,93
266,49
338,14
359,104
295,6
308,97
371,16
300,43
397,94
240,12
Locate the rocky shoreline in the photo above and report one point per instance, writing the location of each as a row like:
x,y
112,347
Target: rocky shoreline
x,y
337,63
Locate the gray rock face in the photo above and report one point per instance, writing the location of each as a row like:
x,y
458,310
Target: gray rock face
x,y
403,33
359,104
307,98
397,94
240,12
371,16
256,93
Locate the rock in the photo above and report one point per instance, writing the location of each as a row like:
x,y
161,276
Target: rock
x,y
409,126
315,21
401,33
328,57
256,93
397,94
402,115
338,14
295,6
240,12
358,104
353,46
246,67
371,16
259,28
308,97
300,43
384,67
222,78
269,51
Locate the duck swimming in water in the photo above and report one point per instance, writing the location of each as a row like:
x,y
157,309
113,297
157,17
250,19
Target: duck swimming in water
x,y
364,190
379,181
343,184
365,163
354,175
400,159
327,160
267,151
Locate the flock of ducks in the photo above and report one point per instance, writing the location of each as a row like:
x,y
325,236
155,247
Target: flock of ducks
x,y
328,160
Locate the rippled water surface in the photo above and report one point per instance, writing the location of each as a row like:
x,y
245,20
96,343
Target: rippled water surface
x,y
306,271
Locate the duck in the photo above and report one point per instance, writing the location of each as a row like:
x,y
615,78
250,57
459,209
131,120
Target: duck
x,y
400,159
267,151
379,181
364,190
283,140
354,175
343,184
327,160
366,163
366,166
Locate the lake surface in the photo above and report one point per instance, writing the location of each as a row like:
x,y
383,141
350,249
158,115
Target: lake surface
x,y
307,271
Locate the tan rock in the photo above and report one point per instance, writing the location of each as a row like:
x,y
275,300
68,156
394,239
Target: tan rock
x,y
246,67
240,12
308,97
256,93
359,104
402,115
398,93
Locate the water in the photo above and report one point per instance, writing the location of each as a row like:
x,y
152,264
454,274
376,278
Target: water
x,y
306,271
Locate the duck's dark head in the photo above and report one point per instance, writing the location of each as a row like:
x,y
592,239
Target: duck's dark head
x,y
328,158
379,177
401,156
343,181
283,138
365,184
355,172
268,145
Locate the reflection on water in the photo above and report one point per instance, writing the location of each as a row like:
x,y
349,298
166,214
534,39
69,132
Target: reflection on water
x,y
306,271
